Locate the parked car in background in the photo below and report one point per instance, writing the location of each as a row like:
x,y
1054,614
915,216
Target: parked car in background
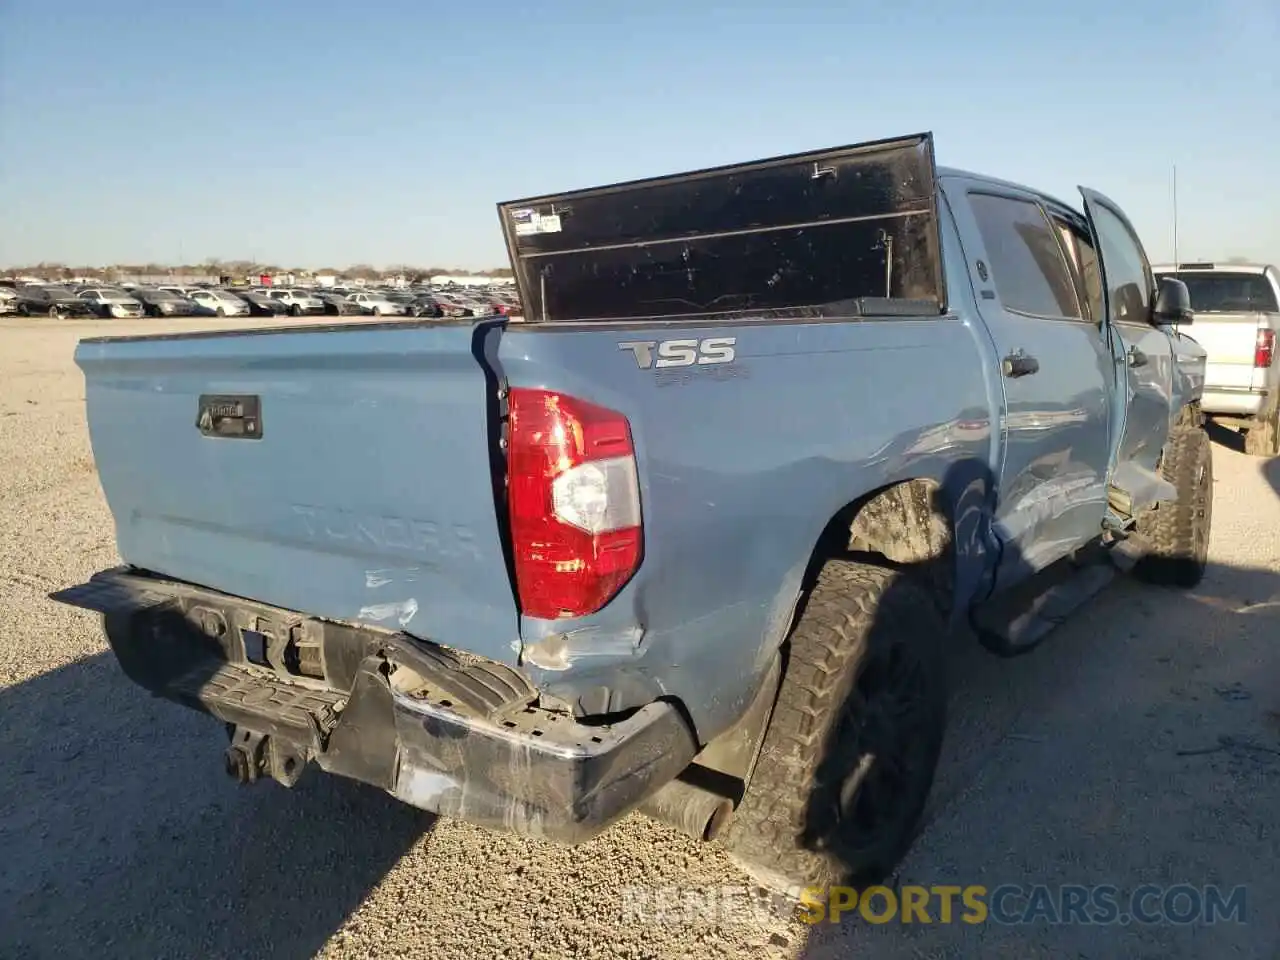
x,y
8,300
182,291
215,302
338,305
110,302
298,301
264,305
452,306
425,306
1237,307
164,303
51,300
377,304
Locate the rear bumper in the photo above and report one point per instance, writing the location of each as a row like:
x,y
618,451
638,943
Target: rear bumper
x,y
468,741
1240,402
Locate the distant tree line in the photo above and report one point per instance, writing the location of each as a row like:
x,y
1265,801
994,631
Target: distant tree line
x,y
238,268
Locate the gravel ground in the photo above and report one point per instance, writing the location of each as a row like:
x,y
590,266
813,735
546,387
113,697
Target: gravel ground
x,y
121,836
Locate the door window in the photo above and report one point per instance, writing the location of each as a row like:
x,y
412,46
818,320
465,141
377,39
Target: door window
x,y
1129,279
1084,262
1026,260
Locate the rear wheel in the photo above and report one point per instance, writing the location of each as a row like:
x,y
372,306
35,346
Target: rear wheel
x,y
849,756
1177,533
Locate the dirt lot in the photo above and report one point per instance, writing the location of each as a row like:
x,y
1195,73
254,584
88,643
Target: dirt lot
x,y
1141,744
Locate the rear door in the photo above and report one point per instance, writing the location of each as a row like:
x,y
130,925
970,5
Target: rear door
x,y
1056,374
1144,352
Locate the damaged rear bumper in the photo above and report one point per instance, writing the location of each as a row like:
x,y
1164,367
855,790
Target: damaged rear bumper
x,y
463,738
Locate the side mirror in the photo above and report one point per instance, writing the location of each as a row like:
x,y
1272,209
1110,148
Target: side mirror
x,y
1172,304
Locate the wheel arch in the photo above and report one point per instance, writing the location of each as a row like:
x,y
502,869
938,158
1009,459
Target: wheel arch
x,y
935,521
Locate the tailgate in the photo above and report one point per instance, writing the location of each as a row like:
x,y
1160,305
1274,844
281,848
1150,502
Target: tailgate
x,y
344,472
1229,341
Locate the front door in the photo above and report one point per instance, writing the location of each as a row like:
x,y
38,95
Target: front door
x,y
1057,376
1144,353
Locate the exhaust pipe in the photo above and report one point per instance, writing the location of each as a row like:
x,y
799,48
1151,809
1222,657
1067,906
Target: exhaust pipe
x,y
695,811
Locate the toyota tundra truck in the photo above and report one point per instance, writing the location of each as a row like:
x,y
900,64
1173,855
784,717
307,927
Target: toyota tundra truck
x,y
689,536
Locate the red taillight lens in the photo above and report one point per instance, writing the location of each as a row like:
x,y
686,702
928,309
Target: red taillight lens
x,y
574,500
1265,350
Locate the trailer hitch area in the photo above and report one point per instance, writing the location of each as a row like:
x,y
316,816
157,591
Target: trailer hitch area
x,y
253,755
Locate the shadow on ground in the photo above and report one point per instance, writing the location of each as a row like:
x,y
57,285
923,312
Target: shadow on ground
x,y
1225,436
109,795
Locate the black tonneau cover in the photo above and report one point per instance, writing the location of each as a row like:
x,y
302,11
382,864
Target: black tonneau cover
x,y
822,234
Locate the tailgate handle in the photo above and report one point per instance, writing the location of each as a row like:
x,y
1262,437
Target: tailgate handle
x,y
1018,364
230,416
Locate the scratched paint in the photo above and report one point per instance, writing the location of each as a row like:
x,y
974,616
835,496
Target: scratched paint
x,y
401,612
424,788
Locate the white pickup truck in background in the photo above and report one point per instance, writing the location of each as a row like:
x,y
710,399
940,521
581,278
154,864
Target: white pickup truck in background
x,y
1237,308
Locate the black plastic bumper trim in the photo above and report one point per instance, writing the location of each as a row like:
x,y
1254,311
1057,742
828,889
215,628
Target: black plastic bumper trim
x,y
513,766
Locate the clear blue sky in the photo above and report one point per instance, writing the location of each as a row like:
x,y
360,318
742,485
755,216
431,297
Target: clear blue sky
x,y
318,133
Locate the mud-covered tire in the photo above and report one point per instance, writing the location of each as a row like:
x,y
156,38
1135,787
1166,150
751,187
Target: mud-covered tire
x,y
1177,533
1262,438
865,674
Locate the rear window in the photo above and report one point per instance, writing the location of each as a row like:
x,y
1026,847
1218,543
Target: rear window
x,y
1228,292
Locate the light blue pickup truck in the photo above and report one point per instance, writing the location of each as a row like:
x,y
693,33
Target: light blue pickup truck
x,y
690,534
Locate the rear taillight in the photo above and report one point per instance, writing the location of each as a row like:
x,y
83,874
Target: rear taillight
x,y
1265,349
574,501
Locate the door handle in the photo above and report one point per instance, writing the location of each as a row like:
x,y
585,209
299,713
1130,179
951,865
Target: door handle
x,y
1136,357
1018,364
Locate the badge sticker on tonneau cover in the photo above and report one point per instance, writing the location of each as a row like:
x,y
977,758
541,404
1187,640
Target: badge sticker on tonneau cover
x,y
528,221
